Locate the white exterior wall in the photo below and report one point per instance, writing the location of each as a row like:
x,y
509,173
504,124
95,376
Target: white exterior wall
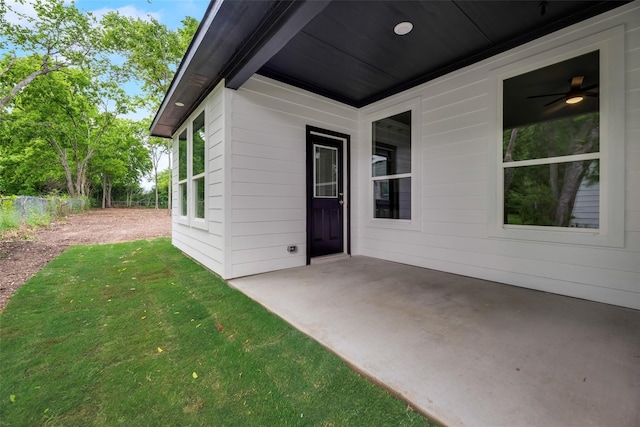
x,y
204,241
451,232
255,177
267,171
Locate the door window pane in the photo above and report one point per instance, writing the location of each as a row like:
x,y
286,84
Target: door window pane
x,y
325,171
392,198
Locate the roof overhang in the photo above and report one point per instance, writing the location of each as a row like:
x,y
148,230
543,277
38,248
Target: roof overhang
x,y
347,50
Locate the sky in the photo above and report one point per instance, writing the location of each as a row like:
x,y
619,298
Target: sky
x,y
169,12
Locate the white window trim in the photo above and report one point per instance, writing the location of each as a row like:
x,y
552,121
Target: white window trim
x,y
415,223
610,43
182,219
190,219
194,221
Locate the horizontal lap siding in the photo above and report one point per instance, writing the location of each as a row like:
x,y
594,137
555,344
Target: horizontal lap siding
x,y
454,194
267,208
206,244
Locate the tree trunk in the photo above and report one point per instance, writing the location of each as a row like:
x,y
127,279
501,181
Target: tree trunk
x,y
109,187
62,155
573,175
574,172
155,173
103,180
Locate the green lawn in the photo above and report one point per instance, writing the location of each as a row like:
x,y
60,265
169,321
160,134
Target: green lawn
x,y
136,334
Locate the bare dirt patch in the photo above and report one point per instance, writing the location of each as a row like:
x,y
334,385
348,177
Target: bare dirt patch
x,y
24,253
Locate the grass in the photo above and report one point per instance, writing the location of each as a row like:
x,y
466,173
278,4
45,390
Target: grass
x,y
9,220
138,334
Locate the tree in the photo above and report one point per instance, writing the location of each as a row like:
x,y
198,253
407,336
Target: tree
x,y
121,159
157,148
152,53
80,109
57,38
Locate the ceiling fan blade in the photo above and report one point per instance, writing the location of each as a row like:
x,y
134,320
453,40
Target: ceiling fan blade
x,y
592,94
590,87
553,102
546,94
576,82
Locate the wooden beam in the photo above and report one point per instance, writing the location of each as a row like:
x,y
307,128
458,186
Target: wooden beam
x,y
285,20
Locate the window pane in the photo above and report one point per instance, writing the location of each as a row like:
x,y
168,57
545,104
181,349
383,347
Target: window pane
x,y
326,171
182,156
199,183
391,147
392,198
560,195
198,144
183,199
549,93
562,137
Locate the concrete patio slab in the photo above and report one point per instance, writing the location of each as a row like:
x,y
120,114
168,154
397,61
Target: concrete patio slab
x,y
466,352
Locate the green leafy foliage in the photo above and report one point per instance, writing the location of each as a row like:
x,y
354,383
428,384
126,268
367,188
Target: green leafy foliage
x,y
62,97
545,194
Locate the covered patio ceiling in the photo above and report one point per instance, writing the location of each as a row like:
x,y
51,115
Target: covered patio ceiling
x,y
348,50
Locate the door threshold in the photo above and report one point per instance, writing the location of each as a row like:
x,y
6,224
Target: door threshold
x,y
329,258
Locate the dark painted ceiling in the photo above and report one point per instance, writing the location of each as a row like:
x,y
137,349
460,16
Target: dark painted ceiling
x,y
347,50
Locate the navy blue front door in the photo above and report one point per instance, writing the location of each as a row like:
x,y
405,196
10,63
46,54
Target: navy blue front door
x,y
326,217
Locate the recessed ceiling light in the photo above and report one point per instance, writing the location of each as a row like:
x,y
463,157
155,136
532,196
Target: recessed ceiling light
x,y
403,28
179,104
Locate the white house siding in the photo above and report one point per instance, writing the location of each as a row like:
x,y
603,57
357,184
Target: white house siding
x,y
267,171
585,209
451,231
204,242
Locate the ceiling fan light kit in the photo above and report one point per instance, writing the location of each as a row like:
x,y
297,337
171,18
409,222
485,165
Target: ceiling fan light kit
x,y
573,99
576,93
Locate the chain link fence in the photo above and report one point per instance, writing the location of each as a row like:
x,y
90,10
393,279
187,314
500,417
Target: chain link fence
x,y
28,206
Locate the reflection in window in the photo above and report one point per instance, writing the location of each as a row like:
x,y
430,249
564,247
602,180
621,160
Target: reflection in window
x,y
182,172
198,145
391,166
183,199
551,148
197,165
182,156
392,198
557,194
199,184
325,171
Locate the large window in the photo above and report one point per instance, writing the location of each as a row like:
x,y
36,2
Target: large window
x,y
391,166
191,170
551,145
558,144
198,162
